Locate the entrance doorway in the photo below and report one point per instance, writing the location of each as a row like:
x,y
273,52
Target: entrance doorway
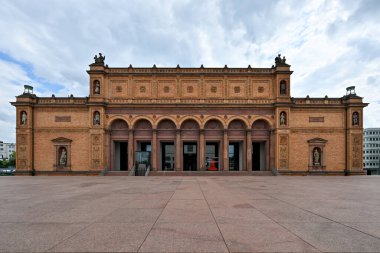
x,y
189,156
121,156
258,156
167,156
144,146
212,155
234,156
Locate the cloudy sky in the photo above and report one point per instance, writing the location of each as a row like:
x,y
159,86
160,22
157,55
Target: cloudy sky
x,y
49,43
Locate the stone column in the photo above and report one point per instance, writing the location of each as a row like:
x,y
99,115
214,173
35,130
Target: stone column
x,y
131,149
202,145
225,149
154,150
178,149
249,150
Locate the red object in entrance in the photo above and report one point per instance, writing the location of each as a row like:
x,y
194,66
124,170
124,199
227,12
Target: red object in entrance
x,y
212,166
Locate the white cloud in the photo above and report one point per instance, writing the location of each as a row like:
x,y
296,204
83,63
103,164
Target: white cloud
x,y
330,44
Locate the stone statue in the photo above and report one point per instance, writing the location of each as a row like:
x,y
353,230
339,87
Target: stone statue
x,y
316,157
99,60
280,61
63,158
97,118
97,87
282,119
23,118
355,119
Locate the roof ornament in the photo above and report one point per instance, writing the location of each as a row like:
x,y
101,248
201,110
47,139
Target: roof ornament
x,y
350,90
28,89
99,60
281,62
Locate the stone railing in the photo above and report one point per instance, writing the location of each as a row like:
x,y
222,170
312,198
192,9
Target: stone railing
x,y
62,100
191,70
317,101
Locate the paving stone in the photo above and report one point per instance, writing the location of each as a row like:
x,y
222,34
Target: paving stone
x,y
184,237
106,237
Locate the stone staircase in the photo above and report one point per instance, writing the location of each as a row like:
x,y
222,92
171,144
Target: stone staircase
x,y
211,173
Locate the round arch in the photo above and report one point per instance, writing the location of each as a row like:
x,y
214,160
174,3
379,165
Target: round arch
x,y
239,118
137,119
189,118
267,120
114,118
219,119
163,118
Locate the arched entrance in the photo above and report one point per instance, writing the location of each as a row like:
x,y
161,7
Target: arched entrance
x,y
260,145
236,144
189,137
119,131
166,136
143,140
213,131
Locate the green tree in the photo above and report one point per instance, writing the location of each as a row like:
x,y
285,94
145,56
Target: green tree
x,y
12,159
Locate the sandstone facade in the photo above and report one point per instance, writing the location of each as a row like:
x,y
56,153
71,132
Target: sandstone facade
x,y
190,119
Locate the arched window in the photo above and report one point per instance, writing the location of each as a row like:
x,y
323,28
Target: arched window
x,y
355,119
283,87
96,87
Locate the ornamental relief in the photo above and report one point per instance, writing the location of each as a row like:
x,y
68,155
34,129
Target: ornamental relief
x,y
190,88
214,88
142,89
283,151
356,150
237,89
167,88
96,150
261,89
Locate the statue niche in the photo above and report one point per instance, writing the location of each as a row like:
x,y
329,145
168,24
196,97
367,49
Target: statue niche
x,y
355,119
62,157
283,119
96,118
316,156
96,87
23,118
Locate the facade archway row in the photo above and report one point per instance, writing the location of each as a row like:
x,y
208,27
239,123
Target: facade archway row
x,y
248,122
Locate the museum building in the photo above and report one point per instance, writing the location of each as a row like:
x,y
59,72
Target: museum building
x,y
189,119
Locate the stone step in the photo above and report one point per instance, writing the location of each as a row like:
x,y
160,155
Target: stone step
x,y
211,173
117,173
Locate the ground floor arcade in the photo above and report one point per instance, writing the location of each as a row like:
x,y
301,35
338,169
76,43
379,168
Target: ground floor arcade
x,y
189,147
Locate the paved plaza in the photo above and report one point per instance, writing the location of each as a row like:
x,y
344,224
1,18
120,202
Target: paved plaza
x,y
190,214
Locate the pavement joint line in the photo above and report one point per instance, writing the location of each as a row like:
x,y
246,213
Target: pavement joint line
x,y
285,227
89,224
337,222
138,250
216,223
